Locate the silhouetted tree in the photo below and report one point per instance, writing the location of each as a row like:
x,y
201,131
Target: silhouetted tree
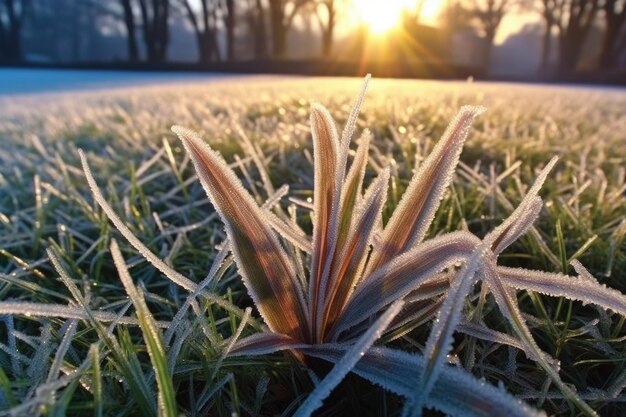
x,y
326,12
230,13
574,25
454,17
551,12
129,23
204,24
488,15
154,24
255,19
282,13
614,36
12,14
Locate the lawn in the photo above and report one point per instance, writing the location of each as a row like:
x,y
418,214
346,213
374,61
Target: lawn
x,y
95,360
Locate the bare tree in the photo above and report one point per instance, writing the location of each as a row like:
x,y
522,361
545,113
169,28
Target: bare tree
x,y
326,12
12,14
614,37
154,24
129,23
230,21
255,19
204,23
551,12
574,25
327,20
488,15
282,13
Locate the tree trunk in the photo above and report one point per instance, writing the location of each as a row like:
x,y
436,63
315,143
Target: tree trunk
x,y
155,29
328,31
131,40
2,42
546,46
260,32
230,30
608,53
490,35
279,30
569,54
12,34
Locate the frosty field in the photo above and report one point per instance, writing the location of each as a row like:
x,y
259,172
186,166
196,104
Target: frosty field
x,y
74,361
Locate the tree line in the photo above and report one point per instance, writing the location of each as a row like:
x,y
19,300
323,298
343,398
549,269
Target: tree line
x,y
218,25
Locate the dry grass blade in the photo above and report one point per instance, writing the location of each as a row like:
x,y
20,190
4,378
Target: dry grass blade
x,y
263,344
411,219
326,154
351,255
560,285
404,274
266,270
352,188
347,362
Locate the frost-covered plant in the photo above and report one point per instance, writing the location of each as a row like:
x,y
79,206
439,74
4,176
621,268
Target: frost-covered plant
x,y
332,295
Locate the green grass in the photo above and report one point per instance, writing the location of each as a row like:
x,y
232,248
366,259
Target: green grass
x,y
45,204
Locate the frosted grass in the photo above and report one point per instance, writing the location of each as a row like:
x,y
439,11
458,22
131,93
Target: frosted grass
x,y
585,191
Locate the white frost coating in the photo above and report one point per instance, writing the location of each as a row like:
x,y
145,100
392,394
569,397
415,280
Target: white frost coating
x,y
68,312
347,362
263,344
151,335
168,271
485,333
507,303
425,190
456,392
559,285
404,274
523,216
350,126
231,342
439,341
358,239
230,199
70,331
182,311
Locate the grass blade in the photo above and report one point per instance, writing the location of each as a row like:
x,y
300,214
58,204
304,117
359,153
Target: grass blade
x,y
560,285
152,337
505,298
350,256
265,268
344,365
456,392
325,158
439,341
404,274
411,219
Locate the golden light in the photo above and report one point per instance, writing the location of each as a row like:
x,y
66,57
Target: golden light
x,y
381,15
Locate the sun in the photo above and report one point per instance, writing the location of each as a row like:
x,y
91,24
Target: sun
x,y
381,15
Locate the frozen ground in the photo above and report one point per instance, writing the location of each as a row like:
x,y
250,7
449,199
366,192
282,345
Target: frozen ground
x,y
19,81
27,81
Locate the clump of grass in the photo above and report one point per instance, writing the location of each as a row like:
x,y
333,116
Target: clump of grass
x,y
184,232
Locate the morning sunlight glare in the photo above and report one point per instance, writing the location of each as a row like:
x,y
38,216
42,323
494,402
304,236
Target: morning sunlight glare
x,y
381,16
